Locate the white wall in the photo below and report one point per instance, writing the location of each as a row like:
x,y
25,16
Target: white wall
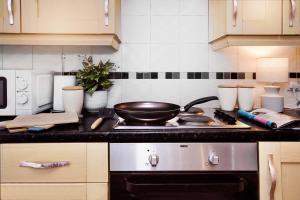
x,y
157,36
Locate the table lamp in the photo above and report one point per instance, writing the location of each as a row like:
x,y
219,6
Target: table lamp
x,y
272,70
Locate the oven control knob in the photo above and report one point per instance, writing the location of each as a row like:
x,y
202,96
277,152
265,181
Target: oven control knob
x,y
213,159
22,99
153,160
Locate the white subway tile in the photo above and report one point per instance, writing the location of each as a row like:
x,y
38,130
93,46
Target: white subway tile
x,y
136,90
107,53
192,89
135,57
164,29
164,7
164,58
225,60
166,91
135,7
17,57
193,29
74,56
115,93
135,29
194,7
47,58
193,58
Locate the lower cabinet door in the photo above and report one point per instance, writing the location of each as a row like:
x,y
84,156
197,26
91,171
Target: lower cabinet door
x,y
76,191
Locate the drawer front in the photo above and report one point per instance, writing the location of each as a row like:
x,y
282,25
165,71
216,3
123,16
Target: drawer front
x,y
76,191
14,154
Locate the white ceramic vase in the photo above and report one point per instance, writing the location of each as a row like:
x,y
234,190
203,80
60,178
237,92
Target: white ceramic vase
x,y
93,102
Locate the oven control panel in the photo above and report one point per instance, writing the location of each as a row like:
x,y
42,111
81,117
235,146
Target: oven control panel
x,y
183,157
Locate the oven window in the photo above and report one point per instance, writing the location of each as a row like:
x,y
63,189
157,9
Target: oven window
x,y
3,93
184,186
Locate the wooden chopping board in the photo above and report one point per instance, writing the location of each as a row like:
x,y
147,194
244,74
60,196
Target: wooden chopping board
x,y
26,121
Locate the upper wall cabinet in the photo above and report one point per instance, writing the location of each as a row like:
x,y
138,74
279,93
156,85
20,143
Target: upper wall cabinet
x,y
291,17
244,17
69,16
254,23
61,22
10,16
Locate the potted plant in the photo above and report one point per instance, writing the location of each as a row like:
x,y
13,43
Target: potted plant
x,y
95,81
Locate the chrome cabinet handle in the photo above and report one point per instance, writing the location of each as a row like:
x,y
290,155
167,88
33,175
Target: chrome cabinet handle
x,y
292,13
273,176
10,11
106,12
44,165
235,11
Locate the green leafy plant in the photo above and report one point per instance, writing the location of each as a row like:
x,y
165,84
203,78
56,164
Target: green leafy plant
x,y
95,77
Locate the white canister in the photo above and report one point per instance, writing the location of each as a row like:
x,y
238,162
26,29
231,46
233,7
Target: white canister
x,y
73,99
227,97
246,97
61,81
93,102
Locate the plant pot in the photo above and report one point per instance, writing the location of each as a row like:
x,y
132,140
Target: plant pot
x,y
93,102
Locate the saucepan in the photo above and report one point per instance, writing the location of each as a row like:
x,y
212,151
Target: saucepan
x,y
149,112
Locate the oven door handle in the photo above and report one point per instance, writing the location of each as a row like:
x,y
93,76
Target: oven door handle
x,y
131,186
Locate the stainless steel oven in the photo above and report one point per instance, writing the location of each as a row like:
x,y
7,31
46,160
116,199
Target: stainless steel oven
x,y
165,171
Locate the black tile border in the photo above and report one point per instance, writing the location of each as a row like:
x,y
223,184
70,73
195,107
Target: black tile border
x,y
183,75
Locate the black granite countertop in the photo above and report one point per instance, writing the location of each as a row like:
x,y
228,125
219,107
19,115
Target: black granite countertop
x,y
105,133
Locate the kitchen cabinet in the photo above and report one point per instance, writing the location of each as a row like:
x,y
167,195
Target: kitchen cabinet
x,y
61,22
84,178
244,17
279,165
70,17
291,17
254,23
10,16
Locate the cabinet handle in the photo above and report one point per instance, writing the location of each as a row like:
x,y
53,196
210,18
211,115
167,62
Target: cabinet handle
x,y
44,165
37,2
10,11
273,176
292,13
235,11
106,12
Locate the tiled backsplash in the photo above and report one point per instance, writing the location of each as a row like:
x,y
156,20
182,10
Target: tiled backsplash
x,y
164,56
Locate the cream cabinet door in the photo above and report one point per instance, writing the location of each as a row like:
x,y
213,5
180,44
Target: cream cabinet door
x,y
284,159
10,16
291,17
76,191
69,16
254,17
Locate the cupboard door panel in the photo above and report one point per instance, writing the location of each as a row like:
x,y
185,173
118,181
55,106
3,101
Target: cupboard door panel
x,y
76,191
291,17
255,17
43,191
66,16
10,21
14,154
266,149
290,167
97,162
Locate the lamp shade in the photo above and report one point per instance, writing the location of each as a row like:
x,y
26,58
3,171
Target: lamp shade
x,y
272,70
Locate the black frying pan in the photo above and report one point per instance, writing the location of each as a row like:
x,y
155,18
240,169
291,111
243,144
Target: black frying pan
x,y
153,112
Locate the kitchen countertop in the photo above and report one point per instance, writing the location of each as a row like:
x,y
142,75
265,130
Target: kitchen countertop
x,y
82,133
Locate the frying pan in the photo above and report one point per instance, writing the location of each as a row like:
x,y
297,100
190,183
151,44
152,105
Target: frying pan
x,y
148,112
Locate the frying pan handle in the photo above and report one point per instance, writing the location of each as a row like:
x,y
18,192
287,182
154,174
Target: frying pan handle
x,y
199,101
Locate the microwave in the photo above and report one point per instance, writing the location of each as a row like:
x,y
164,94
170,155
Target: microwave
x,y
25,92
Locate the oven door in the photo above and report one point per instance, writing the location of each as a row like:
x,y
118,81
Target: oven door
x,y
7,92
183,186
